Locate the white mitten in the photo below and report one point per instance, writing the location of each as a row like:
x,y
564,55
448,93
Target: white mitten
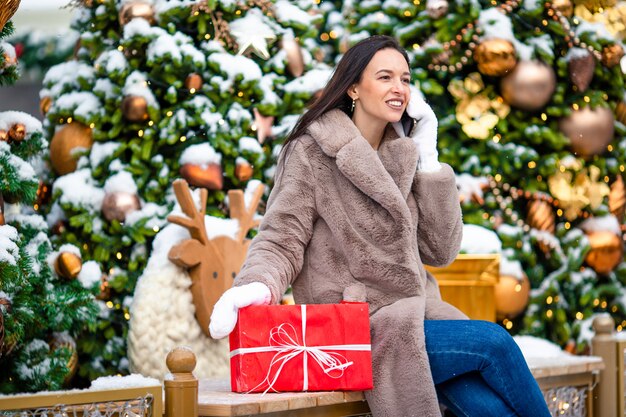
x,y
424,134
224,316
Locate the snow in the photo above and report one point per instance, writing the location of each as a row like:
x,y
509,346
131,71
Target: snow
x,y
90,274
497,25
470,185
575,53
121,182
287,12
112,61
102,150
202,155
140,28
22,169
64,75
9,252
534,347
137,85
9,118
81,103
117,382
249,144
32,248
511,268
311,82
78,189
234,65
477,239
605,223
152,211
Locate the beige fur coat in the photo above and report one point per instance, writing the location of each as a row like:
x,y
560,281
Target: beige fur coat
x,y
343,214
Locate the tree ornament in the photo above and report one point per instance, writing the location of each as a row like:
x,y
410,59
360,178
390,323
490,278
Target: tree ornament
x,y
606,251
105,288
117,205
512,295
45,104
135,108
17,132
495,57
7,10
581,68
564,6
589,130
437,9
612,54
295,60
243,170
252,34
541,216
59,227
136,8
262,125
530,86
44,192
575,194
193,81
596,4
5,308
620,112
68,265
4,136
617,199
69,139
63,340
206,176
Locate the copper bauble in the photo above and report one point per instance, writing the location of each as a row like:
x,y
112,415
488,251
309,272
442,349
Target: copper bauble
x,y
17,132
581,70
495,57
606,251
530,86
5,308
105,288
7,10
193,81
206,176
68,265
612,54
243,171
59,227
135,108
68,140
437,9
617,199
564,6
620,112
295,60
117,205
64,341
133,9
589,130
512,296
541,216
44,105
4,136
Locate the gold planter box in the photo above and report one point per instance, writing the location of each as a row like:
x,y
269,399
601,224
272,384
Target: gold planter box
x,y
469,283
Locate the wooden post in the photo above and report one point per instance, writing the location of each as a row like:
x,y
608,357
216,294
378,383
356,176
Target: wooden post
x,y
604,345
181,386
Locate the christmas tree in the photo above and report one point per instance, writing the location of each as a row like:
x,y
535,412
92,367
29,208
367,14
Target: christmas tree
x,y
530,99
41,311
204,90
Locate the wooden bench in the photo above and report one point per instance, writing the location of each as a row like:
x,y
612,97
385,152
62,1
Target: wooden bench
x,y
214,397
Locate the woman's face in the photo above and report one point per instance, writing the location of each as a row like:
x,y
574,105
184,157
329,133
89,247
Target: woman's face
x,y
383,91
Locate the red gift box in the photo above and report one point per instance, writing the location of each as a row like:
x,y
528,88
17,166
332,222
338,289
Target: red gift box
x,y
315,347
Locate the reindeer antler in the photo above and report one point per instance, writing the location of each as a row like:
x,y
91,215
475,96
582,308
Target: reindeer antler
x,y
245,216
194,221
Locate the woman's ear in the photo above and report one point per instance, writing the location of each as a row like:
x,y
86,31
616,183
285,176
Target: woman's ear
x,y
352,92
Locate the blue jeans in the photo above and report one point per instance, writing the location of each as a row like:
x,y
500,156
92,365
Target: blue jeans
x,y
479,370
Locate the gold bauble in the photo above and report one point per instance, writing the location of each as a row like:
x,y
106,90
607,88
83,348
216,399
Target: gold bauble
x,y
4,136
541,216
193,81
530,86
117,205
581,70
17,132
133,9
495,57
68,265
589,130
44,105
512,296
606,251
620,112
208,176
65,142
595,5
564,6
243,171
617,199
7,10
437,9
63,341
611,55
295,60
135,108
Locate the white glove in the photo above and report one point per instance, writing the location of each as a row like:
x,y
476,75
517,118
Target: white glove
x,y
425,133
224,316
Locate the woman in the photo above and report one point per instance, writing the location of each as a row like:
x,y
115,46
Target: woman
x,y
359,205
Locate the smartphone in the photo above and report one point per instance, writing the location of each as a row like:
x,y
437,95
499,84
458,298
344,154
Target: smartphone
x,y
407,123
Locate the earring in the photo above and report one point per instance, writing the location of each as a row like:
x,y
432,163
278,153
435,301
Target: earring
x,y
353,104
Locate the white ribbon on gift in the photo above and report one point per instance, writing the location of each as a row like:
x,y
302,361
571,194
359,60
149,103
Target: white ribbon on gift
x,y
288,347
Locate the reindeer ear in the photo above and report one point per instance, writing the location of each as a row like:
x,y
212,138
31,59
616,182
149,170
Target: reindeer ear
x,y
187,253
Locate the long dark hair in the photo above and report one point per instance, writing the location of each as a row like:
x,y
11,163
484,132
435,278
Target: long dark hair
x,y
335,94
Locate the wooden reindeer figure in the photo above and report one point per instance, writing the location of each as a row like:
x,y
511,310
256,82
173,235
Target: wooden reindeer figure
x,y
212,263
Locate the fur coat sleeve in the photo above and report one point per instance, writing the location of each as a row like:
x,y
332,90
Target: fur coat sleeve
x,y
275,258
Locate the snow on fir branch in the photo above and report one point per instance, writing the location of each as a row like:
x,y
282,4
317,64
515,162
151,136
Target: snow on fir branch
x,y
477,239
9,251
